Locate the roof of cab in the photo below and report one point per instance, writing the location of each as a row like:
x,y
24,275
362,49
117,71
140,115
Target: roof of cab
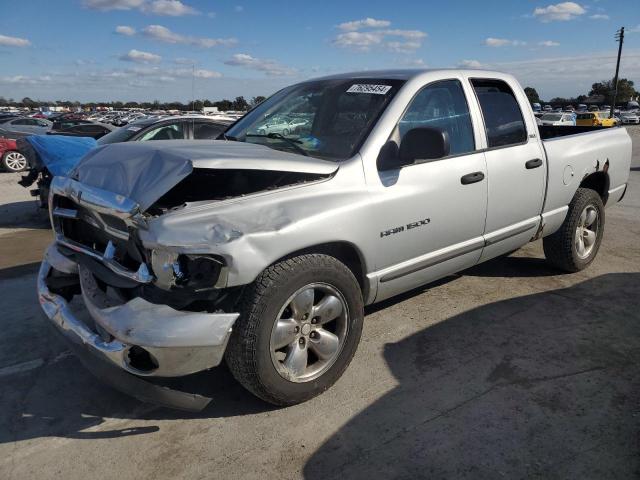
x,y
409,73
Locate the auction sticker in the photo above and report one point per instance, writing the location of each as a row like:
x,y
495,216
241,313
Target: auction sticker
x,y
367,88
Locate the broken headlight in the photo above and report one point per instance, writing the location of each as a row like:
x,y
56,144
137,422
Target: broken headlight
x,y
198,272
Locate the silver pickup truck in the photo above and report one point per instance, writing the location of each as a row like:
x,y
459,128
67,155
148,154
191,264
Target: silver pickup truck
x,y
262,248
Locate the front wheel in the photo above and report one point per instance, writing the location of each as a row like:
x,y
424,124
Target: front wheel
x,y
575,245
299,327
14,161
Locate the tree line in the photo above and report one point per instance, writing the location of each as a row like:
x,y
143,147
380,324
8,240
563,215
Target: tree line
x,y
626,92
238,104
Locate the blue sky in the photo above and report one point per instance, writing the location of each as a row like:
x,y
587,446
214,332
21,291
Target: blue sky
x,y
91,50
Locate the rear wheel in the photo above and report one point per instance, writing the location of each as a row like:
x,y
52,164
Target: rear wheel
x,y
299,327
14,161
575,245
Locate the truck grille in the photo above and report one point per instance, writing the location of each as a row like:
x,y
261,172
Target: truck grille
x,y
85,227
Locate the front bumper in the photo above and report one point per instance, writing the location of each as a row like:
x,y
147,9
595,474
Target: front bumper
x,y
178,342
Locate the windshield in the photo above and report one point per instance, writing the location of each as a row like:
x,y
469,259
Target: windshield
x,y
326,119
551,116
122,134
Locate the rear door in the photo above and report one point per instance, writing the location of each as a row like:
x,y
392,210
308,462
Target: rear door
x,y
516,167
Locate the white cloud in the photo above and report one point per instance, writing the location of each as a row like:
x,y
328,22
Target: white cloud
x,y
207,74
417,62
184,61
548,43
163,34
125,30
395,40
239,8
635,29
366,22
140,57
599,16
25,80
503,42
559,12
106,5
269,67
470,64
13,41
570,75
171,8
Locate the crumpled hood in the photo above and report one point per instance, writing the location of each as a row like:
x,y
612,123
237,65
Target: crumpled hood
x,y
144,171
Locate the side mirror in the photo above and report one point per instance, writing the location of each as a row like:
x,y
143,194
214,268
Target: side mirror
x,y
423,143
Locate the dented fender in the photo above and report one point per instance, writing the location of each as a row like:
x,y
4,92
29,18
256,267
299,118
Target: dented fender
x,y
252,233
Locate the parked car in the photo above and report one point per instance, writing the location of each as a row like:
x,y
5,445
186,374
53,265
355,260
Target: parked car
x,y
547,108
185,127
12,159
21,126
630,118
61,123
166,128
85,129
557,119
595,119
263,250
274,125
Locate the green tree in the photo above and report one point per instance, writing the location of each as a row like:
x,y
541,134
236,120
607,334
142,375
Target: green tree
x,y
257,100
626,90
223,105
240,104
27,102
532,95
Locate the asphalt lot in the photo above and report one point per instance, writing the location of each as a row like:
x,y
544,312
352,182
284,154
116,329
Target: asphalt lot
x,y
509,369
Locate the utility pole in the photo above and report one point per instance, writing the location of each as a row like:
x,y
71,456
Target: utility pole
x,y
620,39
193,84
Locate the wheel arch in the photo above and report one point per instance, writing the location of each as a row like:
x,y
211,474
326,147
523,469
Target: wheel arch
x,y
344,251
599,182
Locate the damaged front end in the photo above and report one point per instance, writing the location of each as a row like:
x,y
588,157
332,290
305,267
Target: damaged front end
x,y
153,310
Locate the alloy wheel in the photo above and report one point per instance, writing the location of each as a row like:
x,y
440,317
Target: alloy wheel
x,y
309,332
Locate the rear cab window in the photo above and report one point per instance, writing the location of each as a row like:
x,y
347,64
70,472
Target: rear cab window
x,y
503,120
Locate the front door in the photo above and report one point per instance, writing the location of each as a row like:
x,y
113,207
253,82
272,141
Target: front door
x,y
429,216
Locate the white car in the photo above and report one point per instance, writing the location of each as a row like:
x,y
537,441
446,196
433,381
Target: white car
x,y
557,119
630,118
276,125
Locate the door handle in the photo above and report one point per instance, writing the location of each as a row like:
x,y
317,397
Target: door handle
x,y
535,163
472,178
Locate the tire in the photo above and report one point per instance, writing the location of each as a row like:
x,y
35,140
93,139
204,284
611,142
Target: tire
x,y
13,161
563,248
285,132
269,303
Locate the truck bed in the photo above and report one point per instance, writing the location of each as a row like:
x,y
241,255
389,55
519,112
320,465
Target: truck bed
x,y
553,131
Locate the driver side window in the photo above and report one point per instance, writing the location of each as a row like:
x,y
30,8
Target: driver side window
x,y
442,105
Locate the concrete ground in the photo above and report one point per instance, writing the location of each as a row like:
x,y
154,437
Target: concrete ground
x,y
509,369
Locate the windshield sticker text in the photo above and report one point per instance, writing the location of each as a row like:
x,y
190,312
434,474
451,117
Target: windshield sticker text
x,y
365,88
